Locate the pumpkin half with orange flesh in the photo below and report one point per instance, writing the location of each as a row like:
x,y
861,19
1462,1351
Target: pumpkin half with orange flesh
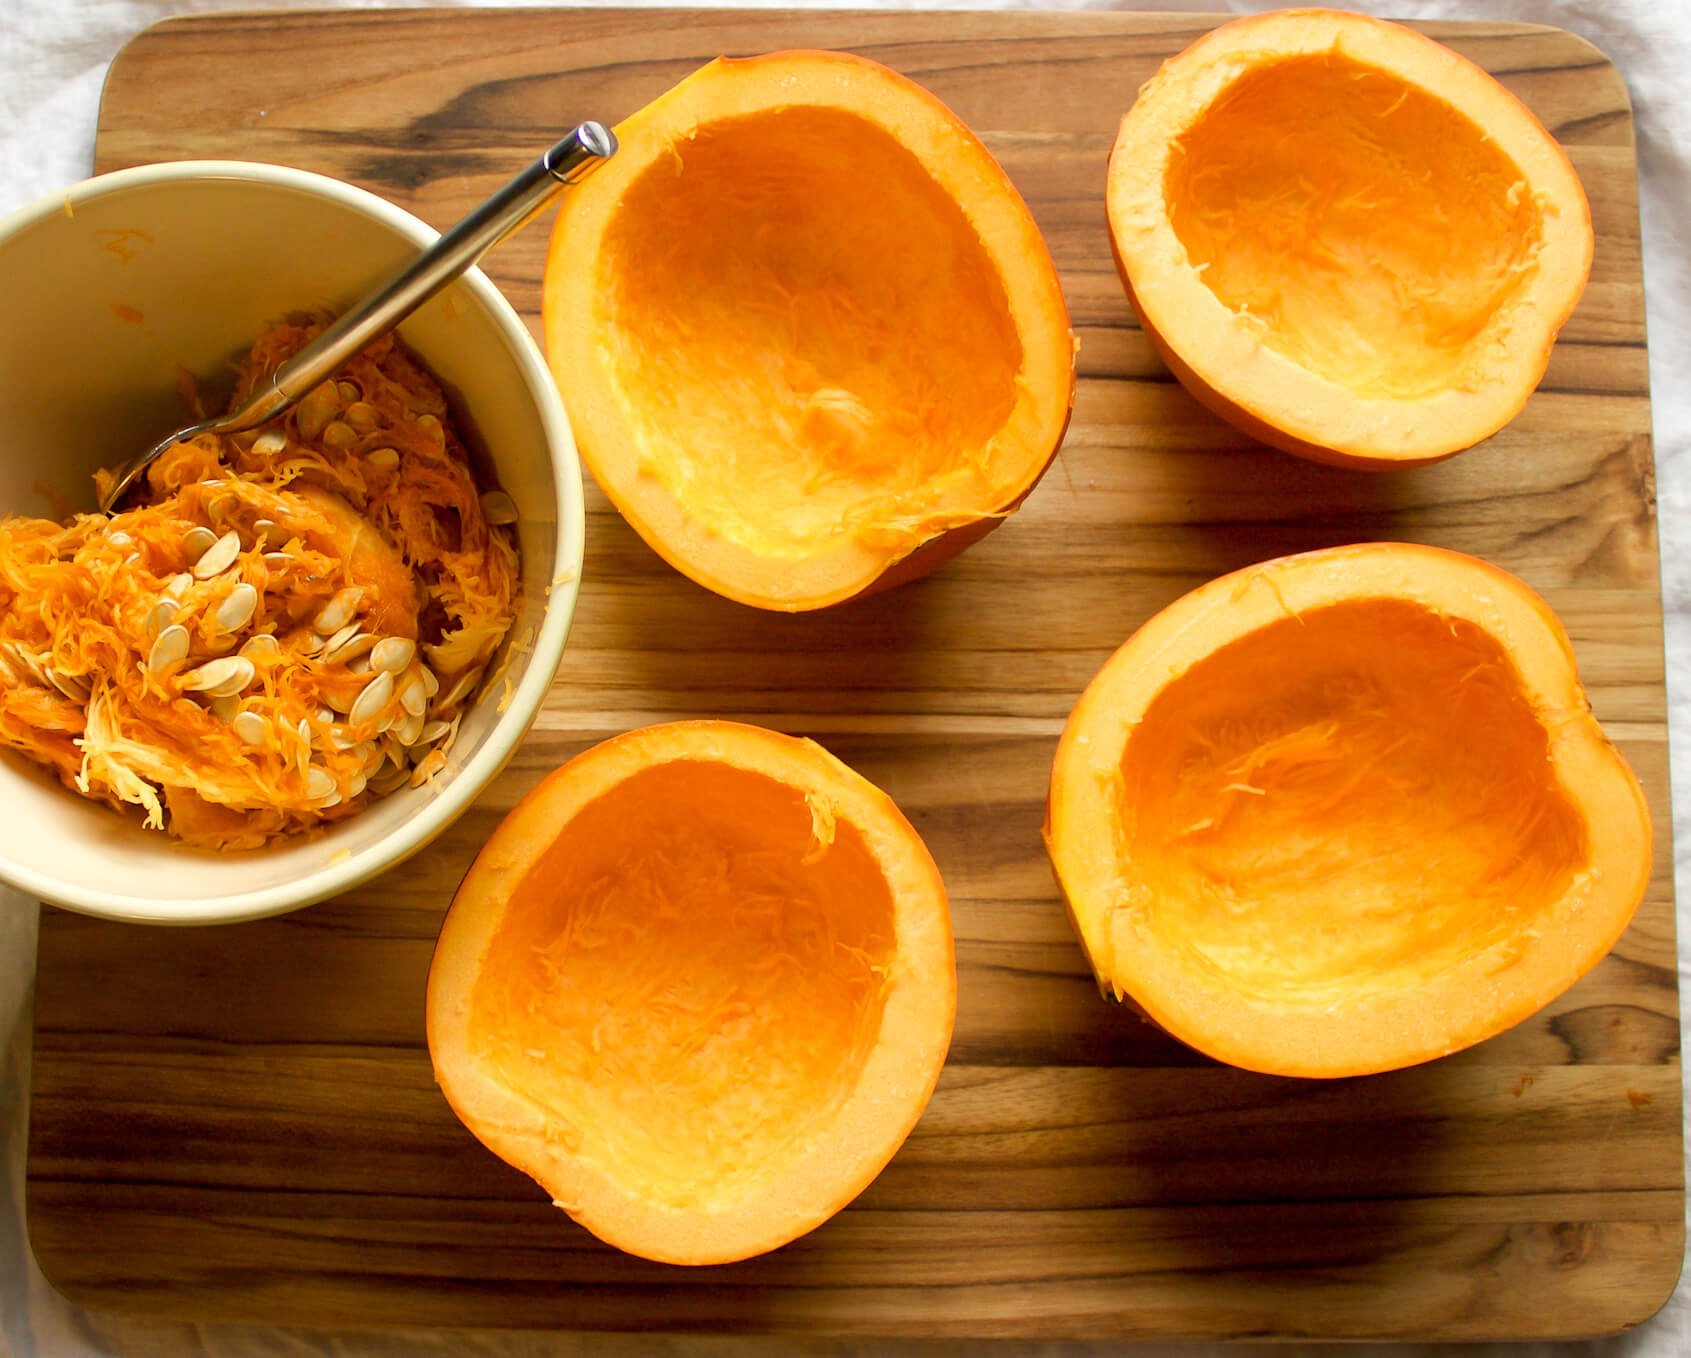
x,y
1345,238
699,985
810,339
1345,812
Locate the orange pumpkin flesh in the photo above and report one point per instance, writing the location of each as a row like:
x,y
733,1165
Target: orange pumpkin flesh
x,y
699,985
809,337
1345,812
1344,238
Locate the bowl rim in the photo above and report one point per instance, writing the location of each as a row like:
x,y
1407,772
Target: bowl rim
x,y
545,650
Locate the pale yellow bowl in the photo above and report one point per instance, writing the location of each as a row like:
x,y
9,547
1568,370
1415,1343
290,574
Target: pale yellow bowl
x,y
110,287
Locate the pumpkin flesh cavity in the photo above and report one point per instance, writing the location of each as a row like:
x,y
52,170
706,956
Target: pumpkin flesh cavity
x,y
1349,800
699,986
792,356
1371,232
1345,238
689,979
1344,812
810,338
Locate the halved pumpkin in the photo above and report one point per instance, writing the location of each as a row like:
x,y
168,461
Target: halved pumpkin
x,y
810,339
699,985
1344,812
1344,238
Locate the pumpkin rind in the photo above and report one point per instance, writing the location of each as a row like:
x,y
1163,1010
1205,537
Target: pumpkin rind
x,y
696,1065
1344,238
810,339
1384,878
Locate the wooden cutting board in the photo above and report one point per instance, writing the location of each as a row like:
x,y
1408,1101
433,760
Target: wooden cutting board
x,y
240,1123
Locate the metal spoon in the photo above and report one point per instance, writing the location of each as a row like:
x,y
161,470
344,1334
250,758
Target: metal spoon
x,y
568,162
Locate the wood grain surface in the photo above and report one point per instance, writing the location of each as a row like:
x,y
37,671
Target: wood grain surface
x,y
240,1123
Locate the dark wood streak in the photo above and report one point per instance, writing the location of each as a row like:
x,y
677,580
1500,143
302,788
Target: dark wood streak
x,y
243,1125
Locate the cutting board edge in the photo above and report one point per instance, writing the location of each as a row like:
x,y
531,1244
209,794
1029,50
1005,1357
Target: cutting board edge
x,y
1092,1328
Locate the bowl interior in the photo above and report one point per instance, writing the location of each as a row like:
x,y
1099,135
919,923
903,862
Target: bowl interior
x,y
144,272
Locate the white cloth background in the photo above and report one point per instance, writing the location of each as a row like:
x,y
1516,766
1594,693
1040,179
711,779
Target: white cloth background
x,y
53,57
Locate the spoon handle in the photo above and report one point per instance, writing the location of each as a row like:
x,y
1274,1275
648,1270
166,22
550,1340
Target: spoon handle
x,y
569,161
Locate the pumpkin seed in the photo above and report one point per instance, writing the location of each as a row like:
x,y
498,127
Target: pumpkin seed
x,y
303,755
72,686
30,662
431,732
225,709
219,557
270,535
159,616
12,654
340,435
389,781
497,507
382,459
460,689
339,701
359,664
410,728
361,415
431,683
120,539
358,784
431,429
197,541
413,697
319,405
250,727
237,608
169,648
373,757
278,561
357,651
270,442
373,700
178,586
333,643
262,649
219,507
338,612
220,678
393,654
318,783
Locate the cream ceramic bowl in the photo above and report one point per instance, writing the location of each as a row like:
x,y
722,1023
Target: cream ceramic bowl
x,y
109,288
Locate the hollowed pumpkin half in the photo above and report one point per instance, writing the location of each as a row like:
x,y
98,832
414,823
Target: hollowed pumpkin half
x,y
699,985
810,339
1344,238
1345,812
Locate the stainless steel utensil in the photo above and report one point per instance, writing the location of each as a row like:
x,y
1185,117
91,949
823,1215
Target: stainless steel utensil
x,y
568,162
